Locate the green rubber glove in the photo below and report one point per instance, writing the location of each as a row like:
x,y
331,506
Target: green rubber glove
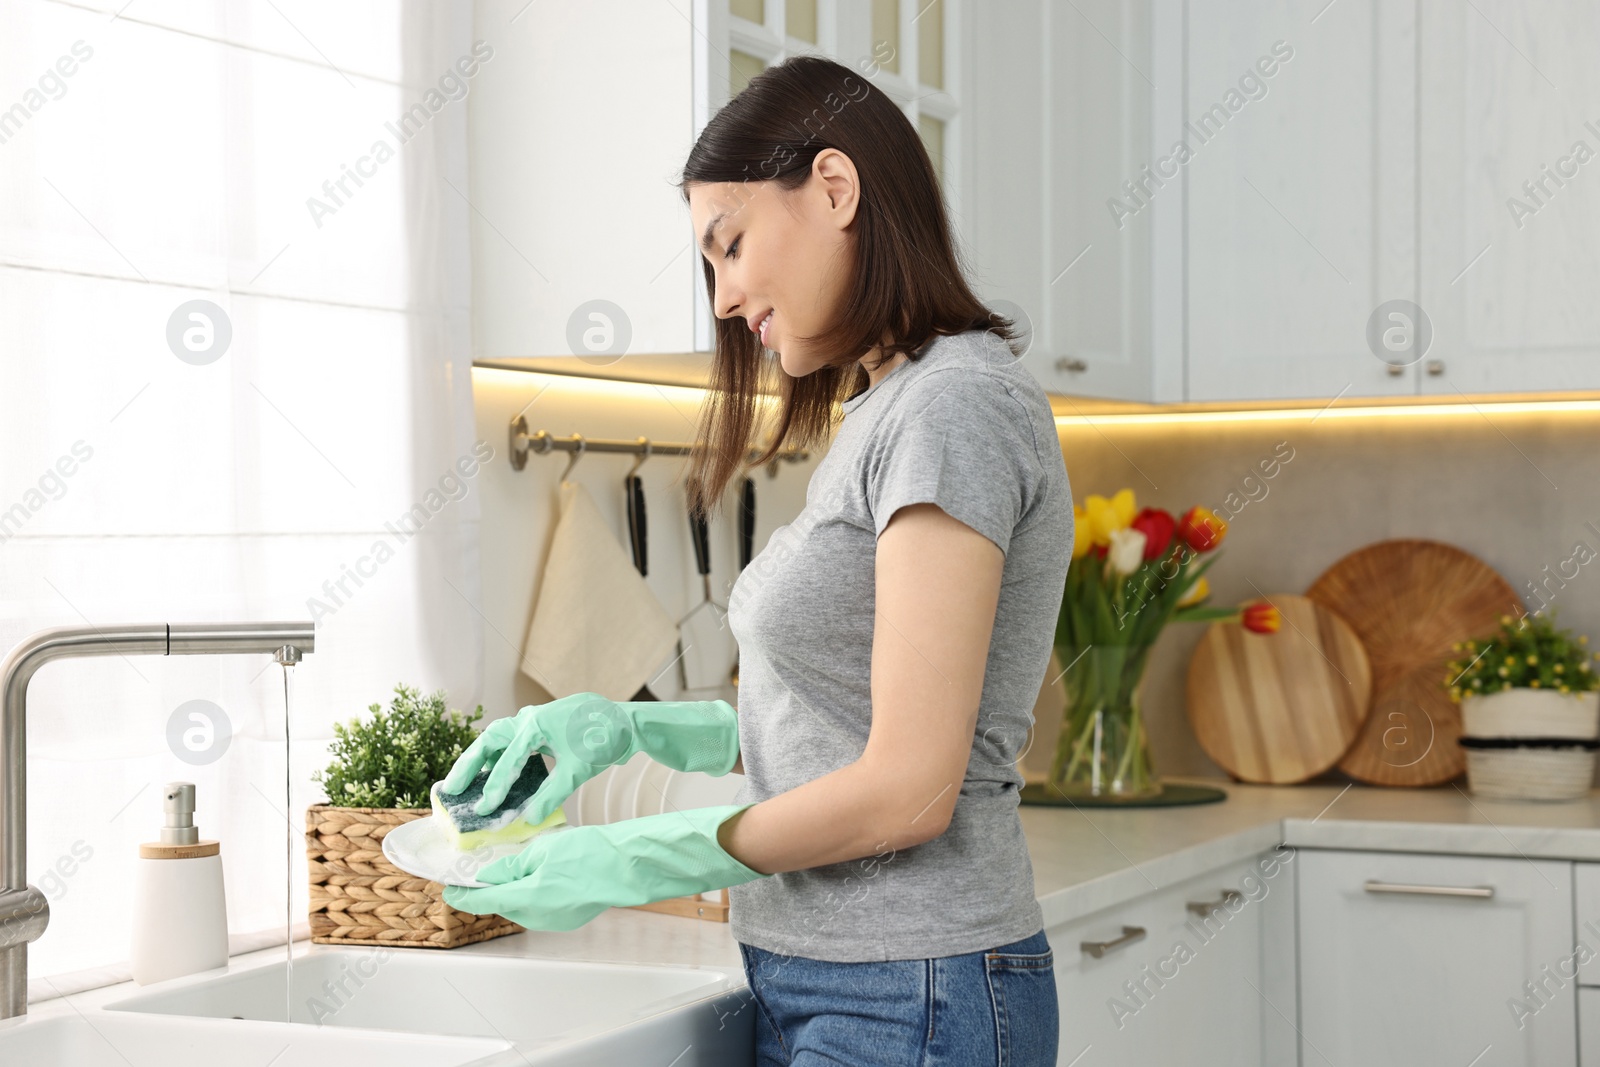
x,y
566,877
587,733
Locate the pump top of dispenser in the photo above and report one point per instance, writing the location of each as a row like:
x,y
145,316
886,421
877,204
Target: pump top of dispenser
x,y
180,838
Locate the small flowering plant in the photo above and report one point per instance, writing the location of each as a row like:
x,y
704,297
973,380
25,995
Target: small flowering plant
x,y
1524,653
393,759
1133,571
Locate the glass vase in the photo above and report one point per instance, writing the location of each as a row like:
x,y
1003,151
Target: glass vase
x,y
1103,752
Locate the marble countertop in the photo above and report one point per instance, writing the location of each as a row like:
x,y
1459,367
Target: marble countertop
x,y
1085,859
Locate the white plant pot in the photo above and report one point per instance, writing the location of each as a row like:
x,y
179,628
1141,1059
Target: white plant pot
x,y
1522,712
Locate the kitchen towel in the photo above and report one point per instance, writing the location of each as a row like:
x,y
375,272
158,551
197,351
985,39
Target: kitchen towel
x,y
596,628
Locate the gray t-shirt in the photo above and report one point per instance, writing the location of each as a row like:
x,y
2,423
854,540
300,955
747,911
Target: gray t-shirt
x,y
966,427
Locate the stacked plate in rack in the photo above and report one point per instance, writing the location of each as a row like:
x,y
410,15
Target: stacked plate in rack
x,y
643,787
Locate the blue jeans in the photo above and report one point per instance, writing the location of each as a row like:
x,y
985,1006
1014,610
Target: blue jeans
x,y
990,1008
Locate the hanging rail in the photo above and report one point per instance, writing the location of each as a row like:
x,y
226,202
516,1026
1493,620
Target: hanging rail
x,y
522,443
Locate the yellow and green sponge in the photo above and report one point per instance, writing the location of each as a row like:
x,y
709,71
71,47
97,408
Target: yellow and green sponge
x,y
505,825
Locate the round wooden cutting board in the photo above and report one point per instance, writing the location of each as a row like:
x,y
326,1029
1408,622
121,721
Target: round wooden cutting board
x,y
1279,708
1409,601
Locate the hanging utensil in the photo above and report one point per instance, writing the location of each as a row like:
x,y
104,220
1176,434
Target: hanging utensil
x,y
747,543
633,491
700,537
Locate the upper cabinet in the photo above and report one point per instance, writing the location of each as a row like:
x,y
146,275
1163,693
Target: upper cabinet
x,y
578,126
1510,196
582,121
1242,200
1207,201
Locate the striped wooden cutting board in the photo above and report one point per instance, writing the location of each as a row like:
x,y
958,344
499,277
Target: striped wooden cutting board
x,y
1280,708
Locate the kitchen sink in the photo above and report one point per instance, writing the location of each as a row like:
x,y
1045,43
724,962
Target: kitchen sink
x,y
536,1004
102,1039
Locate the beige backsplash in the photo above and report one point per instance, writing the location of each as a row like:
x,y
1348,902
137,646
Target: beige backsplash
x,y
1517,490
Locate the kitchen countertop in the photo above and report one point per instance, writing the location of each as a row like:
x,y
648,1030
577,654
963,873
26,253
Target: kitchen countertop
x,y
1086,859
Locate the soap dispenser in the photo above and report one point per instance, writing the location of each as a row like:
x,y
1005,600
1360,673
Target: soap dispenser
x,y
180,918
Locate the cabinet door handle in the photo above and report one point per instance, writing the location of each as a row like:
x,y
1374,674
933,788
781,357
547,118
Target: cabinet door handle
x,y
1483,892
1130,934
1071,364
1206,907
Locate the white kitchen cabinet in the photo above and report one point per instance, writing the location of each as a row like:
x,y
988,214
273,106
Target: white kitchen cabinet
x,y
1063,101
1404,959
1586,915
578,127
1192,990
1509,269
1588,1027
1302,196
1338,159
582,121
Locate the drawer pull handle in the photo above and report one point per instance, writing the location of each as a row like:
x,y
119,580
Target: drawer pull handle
x,y
1483,892
1130,934
1206,907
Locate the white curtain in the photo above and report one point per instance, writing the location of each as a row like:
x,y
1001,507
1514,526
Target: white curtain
x,y
302,167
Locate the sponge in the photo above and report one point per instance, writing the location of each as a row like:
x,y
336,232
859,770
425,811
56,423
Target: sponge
x,y
503,826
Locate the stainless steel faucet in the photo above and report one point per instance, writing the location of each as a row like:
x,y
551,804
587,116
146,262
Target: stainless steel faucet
x,y
24,910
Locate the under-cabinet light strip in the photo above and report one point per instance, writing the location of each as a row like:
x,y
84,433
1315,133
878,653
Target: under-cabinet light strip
x,y
1493,407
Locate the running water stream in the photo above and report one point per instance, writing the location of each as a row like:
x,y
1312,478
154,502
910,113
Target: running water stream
x,y
287,661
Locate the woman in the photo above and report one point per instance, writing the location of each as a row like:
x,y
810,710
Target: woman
x,y
892,639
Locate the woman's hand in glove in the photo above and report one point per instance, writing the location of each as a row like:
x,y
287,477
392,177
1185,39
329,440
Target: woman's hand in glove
x,y
564,878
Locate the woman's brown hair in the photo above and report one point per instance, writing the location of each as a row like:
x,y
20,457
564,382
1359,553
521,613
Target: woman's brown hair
x,y
907,281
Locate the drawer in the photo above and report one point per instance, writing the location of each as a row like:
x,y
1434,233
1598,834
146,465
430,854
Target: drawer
x,y
1179,975
1416,958
1588,1027
1586,910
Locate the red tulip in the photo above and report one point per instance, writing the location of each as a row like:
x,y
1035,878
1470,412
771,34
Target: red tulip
x,y
1201,530
1158,527
1261,618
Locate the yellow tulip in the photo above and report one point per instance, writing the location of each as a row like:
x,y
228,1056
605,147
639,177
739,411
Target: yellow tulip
x,y
1197,592
1107,516
1082,533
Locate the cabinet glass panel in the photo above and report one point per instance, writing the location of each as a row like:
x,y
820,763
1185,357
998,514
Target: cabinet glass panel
x,y
742,66
753,10
886,28
800,19
932,131
930,42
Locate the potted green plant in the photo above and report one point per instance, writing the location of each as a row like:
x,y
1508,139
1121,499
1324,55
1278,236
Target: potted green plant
x,y
379,778
1530,710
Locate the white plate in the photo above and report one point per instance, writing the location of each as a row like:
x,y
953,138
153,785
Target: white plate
x,y
421,847
653,785
590,800
619,777
637,769
687,791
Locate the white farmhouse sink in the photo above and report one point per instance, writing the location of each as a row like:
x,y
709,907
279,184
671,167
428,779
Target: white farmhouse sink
x,y
536,1004
102,1039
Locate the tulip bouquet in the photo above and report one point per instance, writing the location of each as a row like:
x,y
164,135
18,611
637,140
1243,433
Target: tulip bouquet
x,y
1133,571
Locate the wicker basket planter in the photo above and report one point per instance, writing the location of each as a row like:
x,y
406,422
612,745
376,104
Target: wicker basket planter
x,y
1523,712
359,898
1534,768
